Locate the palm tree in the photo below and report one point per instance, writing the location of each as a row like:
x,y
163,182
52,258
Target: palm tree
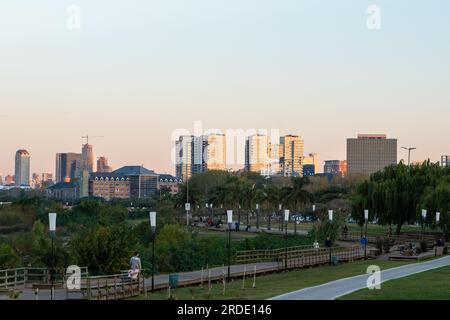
x,y
296,195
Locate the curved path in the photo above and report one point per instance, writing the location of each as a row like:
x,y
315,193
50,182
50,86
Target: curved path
x,y
342,287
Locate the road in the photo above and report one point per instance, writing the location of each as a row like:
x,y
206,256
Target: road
x,y
335,289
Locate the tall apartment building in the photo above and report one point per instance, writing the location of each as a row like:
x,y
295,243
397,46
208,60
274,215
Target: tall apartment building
x,y
199,154
22,168
102,165
445,161
184,157
87,158
68,166
369,153
258,153
216,152
291,155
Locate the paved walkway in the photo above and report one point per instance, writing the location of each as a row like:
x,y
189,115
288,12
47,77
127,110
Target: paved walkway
x,y
339,288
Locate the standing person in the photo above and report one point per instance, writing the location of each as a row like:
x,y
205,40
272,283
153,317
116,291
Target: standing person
x,y
135,265
236,226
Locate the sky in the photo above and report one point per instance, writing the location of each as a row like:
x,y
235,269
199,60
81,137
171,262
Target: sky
x,y
136,71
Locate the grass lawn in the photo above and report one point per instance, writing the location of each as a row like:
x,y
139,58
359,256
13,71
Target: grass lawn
x,y
274,284
428,285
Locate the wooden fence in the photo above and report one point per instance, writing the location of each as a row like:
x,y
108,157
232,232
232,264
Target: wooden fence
x,y
112,287
29,276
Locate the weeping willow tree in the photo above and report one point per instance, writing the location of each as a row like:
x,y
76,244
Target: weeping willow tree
x,y
397,194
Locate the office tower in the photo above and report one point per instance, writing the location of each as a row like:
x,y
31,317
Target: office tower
x,y
216,152
311,159
309,170
369,153
1,179
102,165
335,167
68,166
184,157
445,161
22,168
87,158
291,155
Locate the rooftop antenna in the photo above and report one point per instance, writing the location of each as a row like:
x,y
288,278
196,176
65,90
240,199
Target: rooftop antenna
x,y
87,138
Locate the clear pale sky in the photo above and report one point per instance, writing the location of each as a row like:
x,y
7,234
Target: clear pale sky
x,y
137,70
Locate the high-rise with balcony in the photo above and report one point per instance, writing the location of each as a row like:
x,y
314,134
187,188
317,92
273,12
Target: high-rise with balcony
x,y
22,168
369,153
291,155
184,157
257,153
216,152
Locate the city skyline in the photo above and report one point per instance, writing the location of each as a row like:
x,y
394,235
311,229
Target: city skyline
x,y
140,72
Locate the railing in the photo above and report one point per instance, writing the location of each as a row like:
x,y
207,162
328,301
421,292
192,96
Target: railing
x,y
112,287
13,278
395,239
314,257
253,256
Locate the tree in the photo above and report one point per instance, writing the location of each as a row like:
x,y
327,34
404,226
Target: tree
x,y
296,194
8,257
105,249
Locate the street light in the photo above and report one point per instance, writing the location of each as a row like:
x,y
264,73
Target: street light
x,y
280,207
330,219
257,216
366,217
424,217
438,217
286,219
152,217
230,221
52,227
409,149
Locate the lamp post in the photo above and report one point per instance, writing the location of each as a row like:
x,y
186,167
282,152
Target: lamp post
x,y
280,219
286,219
152,217
366,218
230,221
438,217
52,227
424,217
330,219
257,216
187,207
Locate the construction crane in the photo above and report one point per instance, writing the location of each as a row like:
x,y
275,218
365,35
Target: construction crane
x,y
87,137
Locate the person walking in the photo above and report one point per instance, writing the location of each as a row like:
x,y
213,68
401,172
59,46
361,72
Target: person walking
x,y
135,266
